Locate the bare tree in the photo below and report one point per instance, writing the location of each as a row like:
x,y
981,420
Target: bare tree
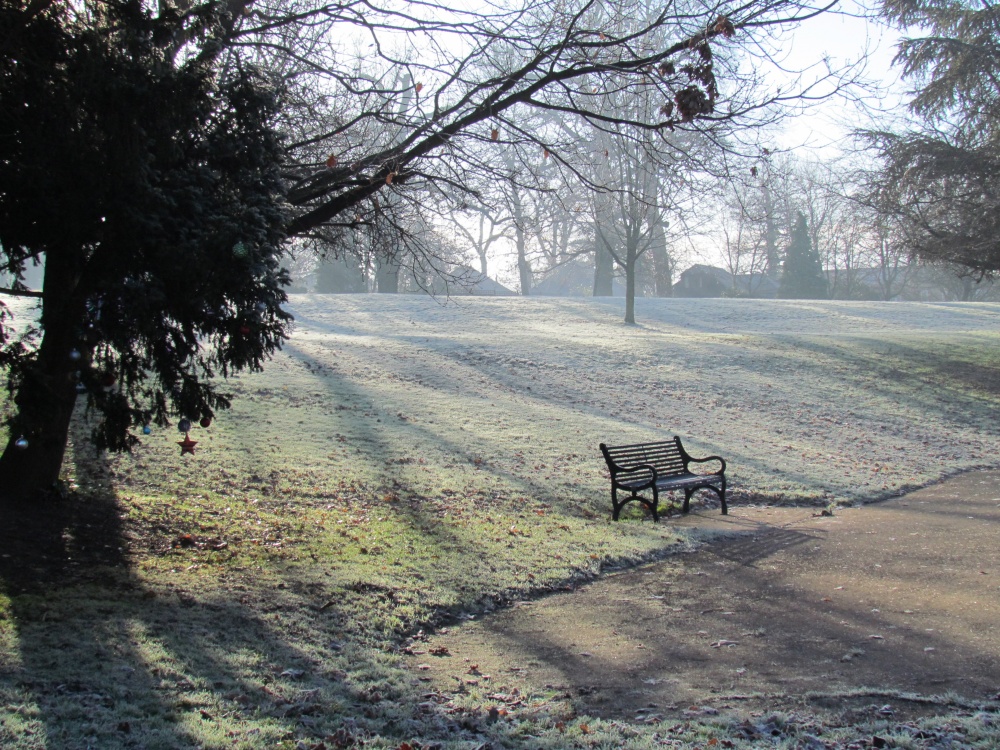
x,y
407,95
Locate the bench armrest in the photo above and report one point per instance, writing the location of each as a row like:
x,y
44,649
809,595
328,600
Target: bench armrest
x,y
720,459
638,467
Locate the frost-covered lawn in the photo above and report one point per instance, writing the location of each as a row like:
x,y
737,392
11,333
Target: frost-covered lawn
x,y
403,460
825,401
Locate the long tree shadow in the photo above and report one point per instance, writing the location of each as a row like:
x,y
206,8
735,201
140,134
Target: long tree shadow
x,y
95,655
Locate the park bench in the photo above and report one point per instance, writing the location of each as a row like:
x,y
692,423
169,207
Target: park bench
x,y
659,467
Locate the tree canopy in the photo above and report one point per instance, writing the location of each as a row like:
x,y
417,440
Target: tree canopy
x,y
942,177
802,274
149,184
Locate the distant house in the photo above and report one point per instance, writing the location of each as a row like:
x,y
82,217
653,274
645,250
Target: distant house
x,y
463,280
709,281
572,279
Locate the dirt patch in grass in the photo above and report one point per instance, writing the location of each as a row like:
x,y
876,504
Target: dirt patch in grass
x,y
886,610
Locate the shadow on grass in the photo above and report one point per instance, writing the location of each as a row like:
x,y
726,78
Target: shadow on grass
x,y
94,655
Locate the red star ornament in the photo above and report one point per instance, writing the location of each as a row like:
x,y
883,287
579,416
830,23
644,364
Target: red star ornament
x,y
187,444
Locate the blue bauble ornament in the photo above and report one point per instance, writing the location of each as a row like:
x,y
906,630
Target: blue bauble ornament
x,y
184,425
146,429
74,355
21,443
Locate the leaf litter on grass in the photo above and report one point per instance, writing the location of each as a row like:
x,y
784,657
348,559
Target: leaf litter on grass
x,y
400,464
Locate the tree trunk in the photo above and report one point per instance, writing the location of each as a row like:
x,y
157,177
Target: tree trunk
x,y
663,267
772,258
604,273
339,276
966,289
604,263
47,395
630,264
523,267
387,277
482,245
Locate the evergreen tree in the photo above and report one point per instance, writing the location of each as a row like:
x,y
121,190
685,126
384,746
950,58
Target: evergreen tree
x,y
942,178
145,172
802,275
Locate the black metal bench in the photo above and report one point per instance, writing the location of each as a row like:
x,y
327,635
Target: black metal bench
x,y
660,467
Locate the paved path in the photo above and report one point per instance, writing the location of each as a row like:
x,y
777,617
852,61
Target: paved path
x,y
900,595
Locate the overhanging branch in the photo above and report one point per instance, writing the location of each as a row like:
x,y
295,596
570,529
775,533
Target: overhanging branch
x,y
20,292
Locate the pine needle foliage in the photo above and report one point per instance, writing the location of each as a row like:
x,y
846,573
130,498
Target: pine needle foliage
x,y
942,178
802,274
141,166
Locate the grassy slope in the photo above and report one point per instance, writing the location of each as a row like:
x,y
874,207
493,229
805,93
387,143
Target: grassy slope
x,y
402,461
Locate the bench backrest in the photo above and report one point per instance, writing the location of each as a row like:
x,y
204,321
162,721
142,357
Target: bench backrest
x,y
667,457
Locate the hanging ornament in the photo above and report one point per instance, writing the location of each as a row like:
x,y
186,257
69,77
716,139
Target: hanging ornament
x,y
261,307
244,330
184,425
205,421
187,445
74,355
21,443
240,250
146,429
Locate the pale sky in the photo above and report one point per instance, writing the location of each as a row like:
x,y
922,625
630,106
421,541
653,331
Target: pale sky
x,y
843,38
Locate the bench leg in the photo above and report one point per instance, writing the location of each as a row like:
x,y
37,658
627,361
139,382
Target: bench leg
x,y
719,491
616,506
